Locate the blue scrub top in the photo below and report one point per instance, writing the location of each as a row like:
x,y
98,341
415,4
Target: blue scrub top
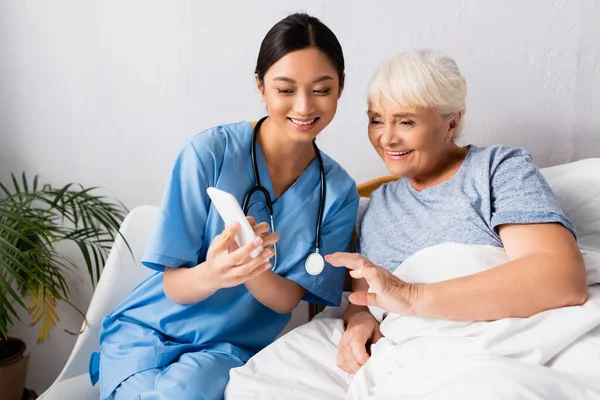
x,y
147,330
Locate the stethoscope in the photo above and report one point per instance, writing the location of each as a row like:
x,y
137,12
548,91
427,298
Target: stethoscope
x,y
314,263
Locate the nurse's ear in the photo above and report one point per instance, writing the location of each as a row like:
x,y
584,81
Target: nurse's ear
x,y
341,86
260,87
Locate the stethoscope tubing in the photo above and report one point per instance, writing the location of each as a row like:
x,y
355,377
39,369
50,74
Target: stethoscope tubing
x,y
259,188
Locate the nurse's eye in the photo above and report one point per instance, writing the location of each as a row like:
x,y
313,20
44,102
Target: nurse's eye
x,y
322,92
285,91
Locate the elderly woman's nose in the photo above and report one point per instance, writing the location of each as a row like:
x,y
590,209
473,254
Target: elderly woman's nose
x,y
388,137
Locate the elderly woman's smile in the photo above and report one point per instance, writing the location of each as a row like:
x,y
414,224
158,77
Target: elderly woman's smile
x,y
398,155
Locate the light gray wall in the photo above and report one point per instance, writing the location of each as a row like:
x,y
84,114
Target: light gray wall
x,y
105,92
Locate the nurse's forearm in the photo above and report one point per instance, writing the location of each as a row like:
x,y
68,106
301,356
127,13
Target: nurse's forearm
x,y
187,285
279,294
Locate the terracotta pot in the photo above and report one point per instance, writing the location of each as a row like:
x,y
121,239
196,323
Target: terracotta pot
x,y
13,368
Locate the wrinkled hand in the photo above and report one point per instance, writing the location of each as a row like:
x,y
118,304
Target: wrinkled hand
x,y
386,290
229,265
362,331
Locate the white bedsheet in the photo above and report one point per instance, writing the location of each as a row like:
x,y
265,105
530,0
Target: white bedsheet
x,y
551,355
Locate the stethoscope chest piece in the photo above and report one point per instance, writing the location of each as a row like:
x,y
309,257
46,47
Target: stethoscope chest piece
x,y
314,264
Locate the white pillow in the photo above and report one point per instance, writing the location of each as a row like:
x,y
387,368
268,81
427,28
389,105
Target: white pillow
x,y
577,189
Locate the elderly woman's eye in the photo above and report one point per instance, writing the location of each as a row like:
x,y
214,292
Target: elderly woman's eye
x,y
375,122
407,123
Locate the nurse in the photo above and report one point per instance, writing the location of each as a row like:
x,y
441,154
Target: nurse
x,y
209,307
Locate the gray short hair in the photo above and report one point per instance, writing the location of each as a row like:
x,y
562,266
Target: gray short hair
x,y
421,78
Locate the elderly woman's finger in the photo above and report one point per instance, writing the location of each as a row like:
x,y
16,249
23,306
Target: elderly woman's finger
x,y
348,260
352,365
347,362
374,276
363,299
341,360
359,352
368,273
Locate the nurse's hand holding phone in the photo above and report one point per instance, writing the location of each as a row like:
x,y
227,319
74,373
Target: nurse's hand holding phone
x,y
229,265
237,255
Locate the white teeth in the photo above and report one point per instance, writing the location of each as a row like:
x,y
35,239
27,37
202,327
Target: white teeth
x,y
399,153
312,121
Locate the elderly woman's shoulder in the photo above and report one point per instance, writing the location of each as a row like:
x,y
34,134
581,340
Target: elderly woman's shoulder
x,y
385,189
498,155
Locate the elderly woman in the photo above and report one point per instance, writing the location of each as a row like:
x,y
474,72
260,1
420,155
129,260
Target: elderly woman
x,y
469,195
472,195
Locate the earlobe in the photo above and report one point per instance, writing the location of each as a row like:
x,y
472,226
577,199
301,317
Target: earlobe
x,y
260,88
453,126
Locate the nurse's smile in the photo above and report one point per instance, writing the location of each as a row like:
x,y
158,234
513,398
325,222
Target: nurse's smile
x,y
303,124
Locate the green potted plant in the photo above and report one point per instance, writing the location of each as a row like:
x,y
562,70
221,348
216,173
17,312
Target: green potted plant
x,y
33,220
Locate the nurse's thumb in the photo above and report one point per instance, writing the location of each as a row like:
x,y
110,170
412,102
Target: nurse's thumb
x,y
223,240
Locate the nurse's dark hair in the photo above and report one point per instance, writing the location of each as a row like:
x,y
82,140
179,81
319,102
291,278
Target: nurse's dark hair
x,y
296,32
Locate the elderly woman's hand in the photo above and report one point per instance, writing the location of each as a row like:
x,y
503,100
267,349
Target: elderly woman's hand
x,y
386,291
361,332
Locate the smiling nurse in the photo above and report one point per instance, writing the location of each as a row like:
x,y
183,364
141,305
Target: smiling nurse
x,y
209,307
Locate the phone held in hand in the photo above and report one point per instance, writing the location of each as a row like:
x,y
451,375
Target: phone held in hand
x,y
230,211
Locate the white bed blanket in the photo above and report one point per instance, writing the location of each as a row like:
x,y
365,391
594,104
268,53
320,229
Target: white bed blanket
x,y
551,355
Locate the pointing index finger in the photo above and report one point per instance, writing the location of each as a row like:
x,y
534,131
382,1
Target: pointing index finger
x,y
348,260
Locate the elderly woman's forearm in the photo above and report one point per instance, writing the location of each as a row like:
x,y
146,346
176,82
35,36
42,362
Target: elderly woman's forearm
x,y
519,288
353,309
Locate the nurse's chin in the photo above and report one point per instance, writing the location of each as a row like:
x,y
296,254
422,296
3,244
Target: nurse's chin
x,y
302,137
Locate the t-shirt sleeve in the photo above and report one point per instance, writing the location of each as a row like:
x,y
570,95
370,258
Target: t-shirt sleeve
x,y
336,233
179,232
520,194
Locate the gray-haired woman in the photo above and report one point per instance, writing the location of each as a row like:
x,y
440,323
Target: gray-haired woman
x,y
488,196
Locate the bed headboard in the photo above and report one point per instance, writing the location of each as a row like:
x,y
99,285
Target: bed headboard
x,y
364,190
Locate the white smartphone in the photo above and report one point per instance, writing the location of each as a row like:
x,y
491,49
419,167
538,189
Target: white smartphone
x,y
229,209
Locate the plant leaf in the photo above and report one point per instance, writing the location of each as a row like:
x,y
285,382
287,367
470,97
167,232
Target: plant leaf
x,y
33,221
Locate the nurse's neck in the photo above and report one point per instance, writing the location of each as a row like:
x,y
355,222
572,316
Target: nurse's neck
x,y
286,159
